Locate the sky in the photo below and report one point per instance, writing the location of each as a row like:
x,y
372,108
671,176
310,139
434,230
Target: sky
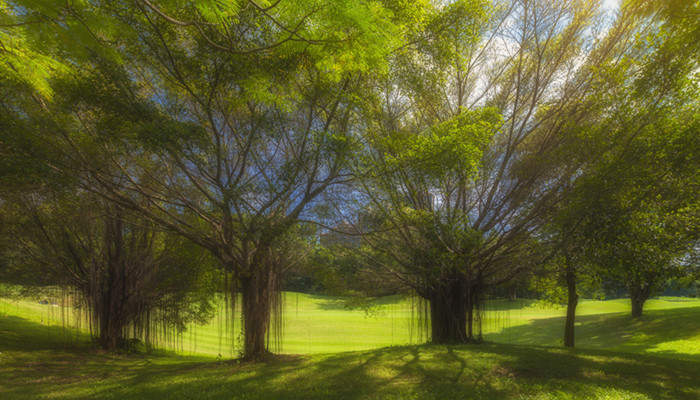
x,y
611,4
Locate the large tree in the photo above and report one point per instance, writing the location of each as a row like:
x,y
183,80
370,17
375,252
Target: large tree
x,y
537,63
123,272
130,280
426,242
227,119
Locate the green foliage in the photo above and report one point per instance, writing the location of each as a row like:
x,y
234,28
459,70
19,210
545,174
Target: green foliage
x,y
24,292
630,213
453,146
42,39
550,284
190,286
357,38
643,217
21,59
413,175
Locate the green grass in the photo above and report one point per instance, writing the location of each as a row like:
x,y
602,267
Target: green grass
x,y
669,326
321,324
32,366
657,357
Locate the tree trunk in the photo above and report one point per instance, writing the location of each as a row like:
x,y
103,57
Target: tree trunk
x,y
638,297
110,301
512,292
111,331
448,311
571,306
257,298
110,308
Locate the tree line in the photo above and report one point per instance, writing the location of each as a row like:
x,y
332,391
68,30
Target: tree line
x,y
156,154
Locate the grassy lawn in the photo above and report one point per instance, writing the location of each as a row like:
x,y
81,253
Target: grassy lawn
x,y
668,326
321,324
657,357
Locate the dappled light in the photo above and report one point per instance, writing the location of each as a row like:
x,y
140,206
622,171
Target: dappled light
x,y
350,199
432,372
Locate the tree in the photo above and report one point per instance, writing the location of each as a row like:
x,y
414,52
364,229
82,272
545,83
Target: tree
x,y
636,100
429,246
227,141
569,238
127,278
648,221
535,63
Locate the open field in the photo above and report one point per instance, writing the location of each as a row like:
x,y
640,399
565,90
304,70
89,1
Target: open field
x,y
657,357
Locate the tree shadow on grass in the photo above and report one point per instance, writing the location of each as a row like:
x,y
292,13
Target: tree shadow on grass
x,y
507,304
36,360
655,332
21,334
350,304
342,303
425,372
486,371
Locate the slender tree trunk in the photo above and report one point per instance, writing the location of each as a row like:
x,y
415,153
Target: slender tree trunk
x,y
470,317
572,303
257,299
448,311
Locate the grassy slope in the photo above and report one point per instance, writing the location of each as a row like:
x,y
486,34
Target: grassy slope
x,y
668,326
35,361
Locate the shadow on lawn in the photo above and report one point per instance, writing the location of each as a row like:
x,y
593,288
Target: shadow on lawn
x,y
347,304
342,303
612,331
21,334
425,372
486,371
